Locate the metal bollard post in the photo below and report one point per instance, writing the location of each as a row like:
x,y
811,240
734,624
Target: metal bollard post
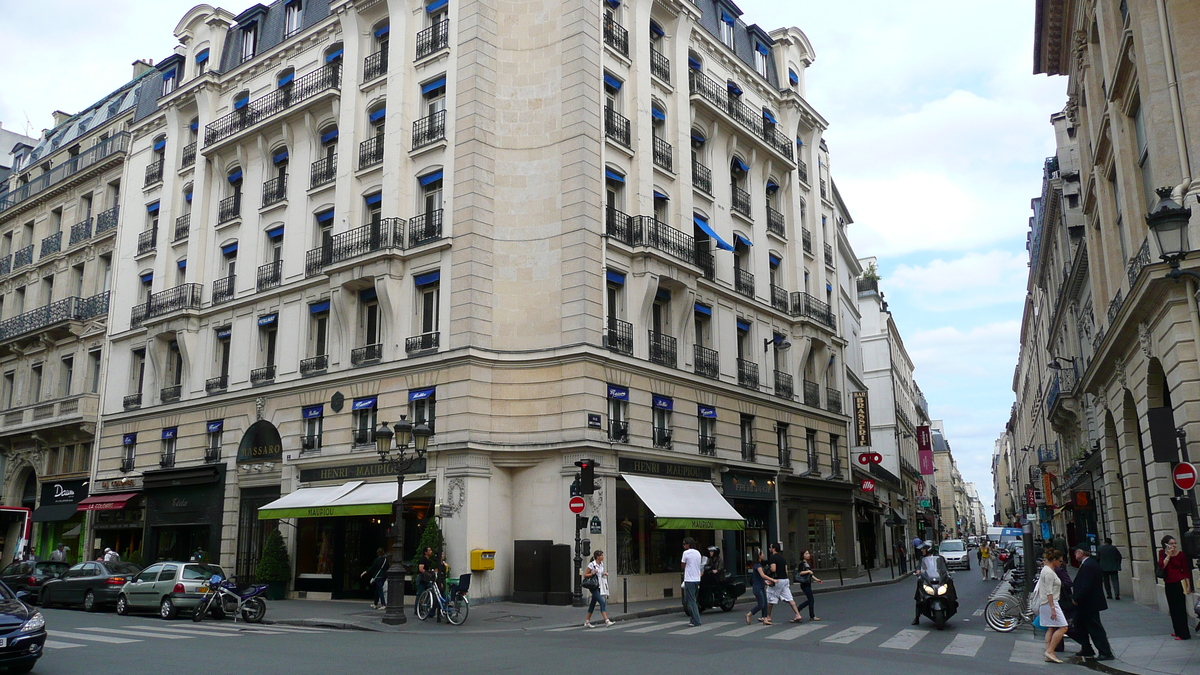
x,y
625,595
841,581
869,579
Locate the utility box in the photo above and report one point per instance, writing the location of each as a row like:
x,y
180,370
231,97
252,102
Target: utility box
x,y
482,560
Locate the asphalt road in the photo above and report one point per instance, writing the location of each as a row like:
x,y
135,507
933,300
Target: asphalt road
x,y
861,631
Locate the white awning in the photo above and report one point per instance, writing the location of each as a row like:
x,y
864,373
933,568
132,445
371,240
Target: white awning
x,y
685,504
355,498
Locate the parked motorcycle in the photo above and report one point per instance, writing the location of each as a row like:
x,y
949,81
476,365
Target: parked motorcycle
x,y
223,598
716,588
935,597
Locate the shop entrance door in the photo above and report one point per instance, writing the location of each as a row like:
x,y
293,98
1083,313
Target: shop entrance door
x,y
181,542
252,532
356,547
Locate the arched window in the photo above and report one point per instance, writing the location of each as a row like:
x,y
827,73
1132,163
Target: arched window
x,y
739,171
286,77
333,55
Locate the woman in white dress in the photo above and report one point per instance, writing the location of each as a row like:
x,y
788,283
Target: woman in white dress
x,y
1050,615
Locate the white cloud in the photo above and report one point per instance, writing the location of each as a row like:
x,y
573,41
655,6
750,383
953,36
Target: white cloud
x,y
972,281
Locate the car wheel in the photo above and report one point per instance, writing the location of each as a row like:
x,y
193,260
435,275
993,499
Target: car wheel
x,y
46,604
122,606
167,609
89,602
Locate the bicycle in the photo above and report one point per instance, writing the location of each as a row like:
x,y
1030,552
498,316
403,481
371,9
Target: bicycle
x,y
454,604
1005,612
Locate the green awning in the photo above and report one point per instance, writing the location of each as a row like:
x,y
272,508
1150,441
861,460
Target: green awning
x,y
355,498
699,524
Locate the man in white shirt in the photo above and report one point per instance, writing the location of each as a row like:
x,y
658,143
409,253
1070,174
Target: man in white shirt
x,y
691,579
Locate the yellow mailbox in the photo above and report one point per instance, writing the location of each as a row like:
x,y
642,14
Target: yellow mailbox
x,y
482,560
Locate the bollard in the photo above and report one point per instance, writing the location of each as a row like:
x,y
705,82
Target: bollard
x,y
841,581
625,595
869,579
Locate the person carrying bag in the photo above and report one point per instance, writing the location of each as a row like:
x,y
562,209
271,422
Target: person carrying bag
x,y
595,579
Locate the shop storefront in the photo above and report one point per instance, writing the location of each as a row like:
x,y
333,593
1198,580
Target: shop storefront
x,y
184,513
118,522
339,527
58,519
657,505
818,516
753,496
869,532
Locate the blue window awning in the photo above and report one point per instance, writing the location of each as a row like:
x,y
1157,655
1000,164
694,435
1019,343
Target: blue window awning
x,y
706,411
202,56
313,411
224,333
194,126
707,229
325,216
769,117
377,115
148,277
363,403
183,264
160,144
275,232
280,157
658,114
612,82
793,77
319,307
617,392
742,166
215,426
660,195
240,103
727,17
828,286
743,241
775,260
772,186
152,207
693,64
169,75
615,277
235,176
762,49
381,31
374,199
662,294
129,439
329,136
799,141
421,394
733,88
427,279
431,177
613,175
334,55
368,294
743,325
267,320
436,5
287,78
434,85
700,140
703,309
229,249
613,3
188,198
663,402
656,29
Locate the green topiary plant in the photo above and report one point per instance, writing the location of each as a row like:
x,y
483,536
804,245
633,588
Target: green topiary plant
x,y
136,558
431,536
274,564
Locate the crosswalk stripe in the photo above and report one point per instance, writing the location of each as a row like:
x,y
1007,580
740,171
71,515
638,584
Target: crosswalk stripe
x,y
1028,651
744,630
849,635
55,644
964,644
659,626
289,629
565,628
702,628
793,633
139,633
905,639
94,638
244,630
188,631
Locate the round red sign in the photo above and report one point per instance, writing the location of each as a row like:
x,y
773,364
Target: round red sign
x,y
1184,475
864,458
576,504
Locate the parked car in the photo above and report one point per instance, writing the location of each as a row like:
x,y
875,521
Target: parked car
x,y
955,553
92,585
22,632
29,575
168,587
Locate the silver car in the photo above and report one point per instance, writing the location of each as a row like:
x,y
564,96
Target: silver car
x,y
167,587
956,554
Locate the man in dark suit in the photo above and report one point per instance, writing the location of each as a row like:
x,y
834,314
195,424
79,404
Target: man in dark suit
x,y
1109,557
1088,593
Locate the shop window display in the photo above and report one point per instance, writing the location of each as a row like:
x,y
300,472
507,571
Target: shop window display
x,y
825,533
643,548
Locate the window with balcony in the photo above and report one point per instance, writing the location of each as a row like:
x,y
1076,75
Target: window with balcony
x,y
739,173
324,169
835,454
432,127
661,421
436,35
368,327
268,336
318,331
314,426
94,364
619,336
293,15
662,344
35,383
167,458
705,357
9,388
230,208
428,287
174,375
137,379
270,273
812,458
747,366
660,65
616,125
701,174
129,454
742,278
427,225
221,356
615,35
370,151
422,406
275,189
706,434
749,447
148,239
376,64
215,439
779,294
363,420
618,414
775,224
664,154
781,444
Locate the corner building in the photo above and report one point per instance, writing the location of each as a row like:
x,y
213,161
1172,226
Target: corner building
x,y
607,235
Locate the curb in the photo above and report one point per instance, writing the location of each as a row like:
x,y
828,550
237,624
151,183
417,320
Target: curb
x,y
323,623
1101,667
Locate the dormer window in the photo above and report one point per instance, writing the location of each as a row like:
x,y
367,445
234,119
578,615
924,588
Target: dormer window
x,y
761,52
292,16
249,41
727,23
201,62
169,81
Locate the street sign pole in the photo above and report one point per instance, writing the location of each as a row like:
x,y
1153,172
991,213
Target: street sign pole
x,y
577,591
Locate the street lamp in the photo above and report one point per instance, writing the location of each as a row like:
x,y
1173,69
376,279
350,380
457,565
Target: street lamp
x,y
1169,223
1056,365
399,455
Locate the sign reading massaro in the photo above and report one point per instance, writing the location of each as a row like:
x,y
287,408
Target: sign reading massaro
x,y
260,443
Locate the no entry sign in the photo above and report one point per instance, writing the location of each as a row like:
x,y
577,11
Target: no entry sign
x,y
1184,475
576,504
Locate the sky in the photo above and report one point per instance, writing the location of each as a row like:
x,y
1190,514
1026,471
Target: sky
x,y
938,130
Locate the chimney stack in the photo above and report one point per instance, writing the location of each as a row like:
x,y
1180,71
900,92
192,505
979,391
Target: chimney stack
x,y
141,66
60,117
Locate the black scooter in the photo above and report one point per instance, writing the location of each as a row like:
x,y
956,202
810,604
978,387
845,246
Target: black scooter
x,y
716,589
935,597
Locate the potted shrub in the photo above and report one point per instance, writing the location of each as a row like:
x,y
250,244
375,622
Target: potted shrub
x,y
274,567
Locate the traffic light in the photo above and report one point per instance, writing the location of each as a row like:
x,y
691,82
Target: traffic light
x,y
587,476
580,522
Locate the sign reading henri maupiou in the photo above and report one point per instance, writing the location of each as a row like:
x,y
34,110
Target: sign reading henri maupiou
x,y
862,419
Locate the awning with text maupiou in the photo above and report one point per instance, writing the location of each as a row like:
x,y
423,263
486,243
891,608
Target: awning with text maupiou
x,y
685,504
355,498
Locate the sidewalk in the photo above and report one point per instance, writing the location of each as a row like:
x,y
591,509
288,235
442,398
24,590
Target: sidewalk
x,y
502,615
1141,641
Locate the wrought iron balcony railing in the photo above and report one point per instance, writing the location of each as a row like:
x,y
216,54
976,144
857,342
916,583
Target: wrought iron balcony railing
x,y
370,152
615,35
424,228
323,171
154,173
107,220
747,373
80,232
51,245
829,255
741,201
616,126
127,463
274,190
812,394
375,65
785,458
184,296
653,233
132,401
23,257
170,394
802,169
662,349
824,191
619,337
660,437
779,298
425,342
223,289
1138,262
314,365
212,455
118,142
147,241
618,431
229,209
806,305
775,222
783,385
707,362
749,451
664,155
433,39
264,375
369,354
706,263
388,233
310,443
743,282
701,177
619,226
67,309
429,130
189,156
833,400
363,436
717,95
270,275
216,385
6,264
261,109
183,227
660,66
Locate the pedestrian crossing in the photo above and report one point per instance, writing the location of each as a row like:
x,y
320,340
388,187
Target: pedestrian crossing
x,y
93,636
959,640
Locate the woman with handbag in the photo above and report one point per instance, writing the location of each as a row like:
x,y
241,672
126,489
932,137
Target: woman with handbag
x,y
804,574
595,579
759,581
1174,571
1067,604
1050,615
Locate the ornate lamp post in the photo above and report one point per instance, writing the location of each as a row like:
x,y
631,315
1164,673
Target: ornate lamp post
x,y
1169,223
399,455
